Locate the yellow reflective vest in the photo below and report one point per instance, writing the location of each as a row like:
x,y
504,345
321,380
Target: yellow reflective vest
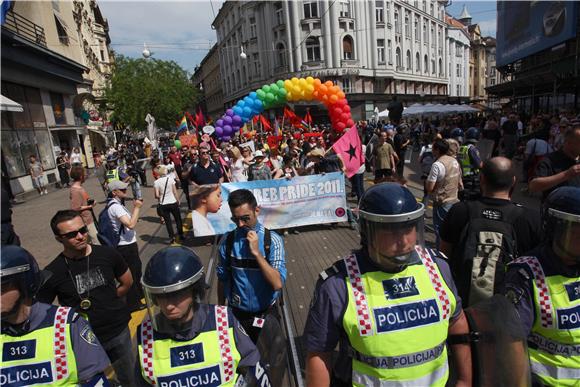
x,y
209,359
111,175
554,343
397,324
42,357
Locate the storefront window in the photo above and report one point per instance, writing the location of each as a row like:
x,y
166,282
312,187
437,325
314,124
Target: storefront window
x,y
58,108
25,133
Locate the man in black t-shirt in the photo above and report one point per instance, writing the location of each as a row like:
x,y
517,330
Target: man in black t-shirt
x,y
400,144
560,168
509,133
205,171
83,277
497,179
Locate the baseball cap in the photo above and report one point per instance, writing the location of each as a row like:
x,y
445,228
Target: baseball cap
x,y
117,184
258,153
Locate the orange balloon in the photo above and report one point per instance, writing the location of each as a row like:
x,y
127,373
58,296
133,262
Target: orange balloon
x,y
323,89
333,98
317,82
341,94
328,83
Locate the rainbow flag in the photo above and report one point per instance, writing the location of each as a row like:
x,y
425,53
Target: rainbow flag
x,y
183,125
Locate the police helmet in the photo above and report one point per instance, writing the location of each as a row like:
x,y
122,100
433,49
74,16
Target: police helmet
x,y
472,135
561,221
112,158
20,268
457,134
174,273
391,223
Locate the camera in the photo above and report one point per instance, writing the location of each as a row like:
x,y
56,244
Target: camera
x,y
90,202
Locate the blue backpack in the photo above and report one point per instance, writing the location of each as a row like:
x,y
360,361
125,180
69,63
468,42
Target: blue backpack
x,y
106,233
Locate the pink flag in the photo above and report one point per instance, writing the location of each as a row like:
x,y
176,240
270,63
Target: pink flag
x,y
349,148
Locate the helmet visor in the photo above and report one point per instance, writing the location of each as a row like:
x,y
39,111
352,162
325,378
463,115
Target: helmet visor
x,y
391,239
566,234
170,313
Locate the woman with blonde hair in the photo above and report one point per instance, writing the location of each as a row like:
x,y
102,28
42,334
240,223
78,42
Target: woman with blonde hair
x,y
166,193
204,199
239,167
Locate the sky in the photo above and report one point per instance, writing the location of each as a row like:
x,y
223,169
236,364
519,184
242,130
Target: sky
x,y
181,30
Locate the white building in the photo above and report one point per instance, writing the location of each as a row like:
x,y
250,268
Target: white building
x,y
458,46
372,49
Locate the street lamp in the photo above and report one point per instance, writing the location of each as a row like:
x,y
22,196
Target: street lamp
x,y
243,54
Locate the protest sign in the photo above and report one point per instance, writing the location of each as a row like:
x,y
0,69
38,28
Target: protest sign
x,y
300,201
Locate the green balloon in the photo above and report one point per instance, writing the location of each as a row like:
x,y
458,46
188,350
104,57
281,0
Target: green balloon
x,y
177,144
282,92
266,88
280,83
261,94
274,88
270,97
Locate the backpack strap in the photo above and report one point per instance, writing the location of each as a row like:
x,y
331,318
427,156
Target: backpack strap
x,y
544,298
361,305
60,345
109,205
225,342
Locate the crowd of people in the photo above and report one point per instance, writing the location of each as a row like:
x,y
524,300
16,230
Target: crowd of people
x,y
399,309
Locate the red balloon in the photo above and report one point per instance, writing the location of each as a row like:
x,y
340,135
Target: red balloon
x,y
346,108
342,102
349,123
337,110
344,117
340,127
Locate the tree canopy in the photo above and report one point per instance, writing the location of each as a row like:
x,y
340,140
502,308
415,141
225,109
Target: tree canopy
x,y
141,86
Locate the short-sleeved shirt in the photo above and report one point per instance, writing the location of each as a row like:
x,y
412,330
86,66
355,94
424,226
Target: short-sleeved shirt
x,y
108,314
175,158
527,225
116,212
437,172
383,155
201,175
165,187
248,290
78,198
324,326
553,164
518,286
90,357
250,356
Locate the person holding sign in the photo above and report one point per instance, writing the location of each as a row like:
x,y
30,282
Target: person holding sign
x,y
252,268
392,305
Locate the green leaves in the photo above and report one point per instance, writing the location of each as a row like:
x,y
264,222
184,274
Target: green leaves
x,y
141,86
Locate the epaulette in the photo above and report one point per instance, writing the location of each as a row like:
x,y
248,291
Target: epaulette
x,y
326,274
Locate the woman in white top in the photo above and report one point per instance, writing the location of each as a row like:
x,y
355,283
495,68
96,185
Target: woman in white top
x,y
238,167
75,157
166,193
204,199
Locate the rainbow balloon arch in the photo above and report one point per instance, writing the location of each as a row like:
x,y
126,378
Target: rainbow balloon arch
x,y
277,94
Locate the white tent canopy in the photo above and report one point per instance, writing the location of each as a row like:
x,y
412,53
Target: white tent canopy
x,y
418,109
8,105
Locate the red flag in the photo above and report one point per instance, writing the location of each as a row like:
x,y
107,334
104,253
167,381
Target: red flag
x,y
255,119
273,141
199,119
265,123
349,148
308,118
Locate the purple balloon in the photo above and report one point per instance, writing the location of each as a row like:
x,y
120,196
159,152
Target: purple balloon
x,y
236,128
226,138
227,120
230,112
228,130
219,131
219,123
237,120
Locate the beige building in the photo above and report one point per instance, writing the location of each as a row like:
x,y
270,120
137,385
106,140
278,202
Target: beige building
x,y
477,59
55,63
207,78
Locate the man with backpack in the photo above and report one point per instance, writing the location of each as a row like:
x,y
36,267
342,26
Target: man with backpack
x,y
470,162
116,229
252,268
481,237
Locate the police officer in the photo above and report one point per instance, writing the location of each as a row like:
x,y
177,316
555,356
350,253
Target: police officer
x,y
113,171
470,162
545,288
184,342
392,304
43,344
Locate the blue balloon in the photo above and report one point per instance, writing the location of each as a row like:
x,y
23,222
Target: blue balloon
x,y
253,95
249,102
241,103
247,111
238,110
258,105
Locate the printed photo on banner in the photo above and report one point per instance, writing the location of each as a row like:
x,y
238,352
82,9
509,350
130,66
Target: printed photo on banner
x,y
284,203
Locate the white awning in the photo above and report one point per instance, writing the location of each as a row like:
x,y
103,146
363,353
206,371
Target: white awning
x,y
7,105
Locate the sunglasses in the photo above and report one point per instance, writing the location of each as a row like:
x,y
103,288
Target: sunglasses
x,y
204,153
243,218
69,235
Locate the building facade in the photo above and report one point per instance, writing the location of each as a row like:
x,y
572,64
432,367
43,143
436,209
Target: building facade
x,y
458,56
45,68
207,78
372,49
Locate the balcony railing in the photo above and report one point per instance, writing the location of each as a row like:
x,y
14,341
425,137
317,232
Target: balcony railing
x,y
25,28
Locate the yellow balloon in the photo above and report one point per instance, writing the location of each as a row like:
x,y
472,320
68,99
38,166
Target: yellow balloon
x,y
289,96
287,84
310,80
294,80
303,82
296,89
